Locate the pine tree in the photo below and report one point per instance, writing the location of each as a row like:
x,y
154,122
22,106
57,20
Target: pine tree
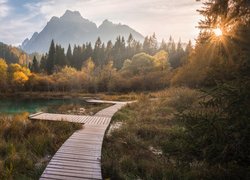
x,y
219,131
189,47
108,52
35,65
130,40
97,52
88,52
50,64
60,58
153,44
43,63
69,55
163,46
146,45
119,52
77,58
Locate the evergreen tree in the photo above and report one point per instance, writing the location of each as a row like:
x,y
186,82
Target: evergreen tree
x,y
97,52
77,58
60,58
35,65
69,55
163,46
189,47
146,45
150,44
187,53
130,40
88,52
50,64
137,46
108,52
153,44
118,52
43,63
218,133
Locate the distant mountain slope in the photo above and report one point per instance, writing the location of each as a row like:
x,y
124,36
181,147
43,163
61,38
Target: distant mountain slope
x,y
13,55
74,29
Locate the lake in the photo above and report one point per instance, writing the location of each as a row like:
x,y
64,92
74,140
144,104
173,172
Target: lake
x,y
15,106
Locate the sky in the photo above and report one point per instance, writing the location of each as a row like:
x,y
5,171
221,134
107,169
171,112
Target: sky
x,y
19,19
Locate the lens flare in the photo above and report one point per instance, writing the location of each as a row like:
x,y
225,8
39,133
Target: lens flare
x,y
218,32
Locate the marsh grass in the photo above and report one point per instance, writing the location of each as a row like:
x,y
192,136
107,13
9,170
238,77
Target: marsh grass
x,y
27,146
64,95
140,148
78,109
119,97
172,135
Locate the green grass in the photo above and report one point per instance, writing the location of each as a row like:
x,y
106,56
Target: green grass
x,y
27,146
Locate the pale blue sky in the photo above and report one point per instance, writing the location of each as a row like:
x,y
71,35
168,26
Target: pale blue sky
x,y
21,18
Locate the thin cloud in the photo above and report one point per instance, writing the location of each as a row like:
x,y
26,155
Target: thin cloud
x,y
4,8
164,17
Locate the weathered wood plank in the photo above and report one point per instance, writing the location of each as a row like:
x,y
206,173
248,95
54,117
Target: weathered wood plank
x,y
76,168
60,176
78,162
76,165
79,157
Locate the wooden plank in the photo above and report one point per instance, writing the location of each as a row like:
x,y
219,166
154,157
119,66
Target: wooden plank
x,y
96,151
96,143
85,140
80,156
84,153
69,159
76,168
76,163
63,177
77,154
92,138
78,173
80,147
97,167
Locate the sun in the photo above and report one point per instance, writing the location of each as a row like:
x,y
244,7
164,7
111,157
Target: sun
x,y
218,32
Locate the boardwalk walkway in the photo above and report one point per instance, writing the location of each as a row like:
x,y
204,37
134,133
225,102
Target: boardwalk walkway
x,y
80,156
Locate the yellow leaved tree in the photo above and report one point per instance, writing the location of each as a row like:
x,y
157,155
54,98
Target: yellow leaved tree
x,y
18,75
3,74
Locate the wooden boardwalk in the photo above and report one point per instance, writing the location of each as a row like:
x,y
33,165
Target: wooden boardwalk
x,y
95,120
80,155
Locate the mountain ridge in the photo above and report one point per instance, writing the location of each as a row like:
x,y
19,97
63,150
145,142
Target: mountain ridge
x,y
72,28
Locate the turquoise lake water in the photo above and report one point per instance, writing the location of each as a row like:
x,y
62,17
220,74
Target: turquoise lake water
x,y
14,106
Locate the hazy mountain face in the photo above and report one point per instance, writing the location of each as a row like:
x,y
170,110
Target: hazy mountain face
x,y
72,29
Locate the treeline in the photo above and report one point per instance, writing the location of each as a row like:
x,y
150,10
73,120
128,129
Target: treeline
x,y
13,54
141,72
102,53
122,67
